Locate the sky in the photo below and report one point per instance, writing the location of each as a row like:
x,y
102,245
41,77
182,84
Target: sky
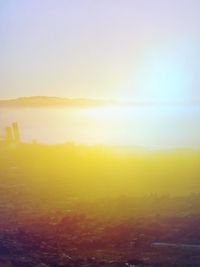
x,y
140,50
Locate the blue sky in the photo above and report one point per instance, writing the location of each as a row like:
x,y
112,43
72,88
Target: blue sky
x,y
145,50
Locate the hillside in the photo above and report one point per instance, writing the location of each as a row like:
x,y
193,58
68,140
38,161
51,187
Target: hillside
x,y
45,101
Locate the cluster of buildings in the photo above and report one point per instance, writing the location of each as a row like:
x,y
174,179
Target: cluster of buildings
x,y
12,134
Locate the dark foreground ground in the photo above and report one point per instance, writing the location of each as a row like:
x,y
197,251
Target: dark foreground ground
x,y
29,239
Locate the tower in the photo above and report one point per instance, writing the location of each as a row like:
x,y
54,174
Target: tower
x,y
16,133
9,135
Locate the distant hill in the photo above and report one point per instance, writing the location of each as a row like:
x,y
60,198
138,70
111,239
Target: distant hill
x,y
45,101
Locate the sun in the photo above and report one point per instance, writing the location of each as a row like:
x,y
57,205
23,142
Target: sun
x,y
162,77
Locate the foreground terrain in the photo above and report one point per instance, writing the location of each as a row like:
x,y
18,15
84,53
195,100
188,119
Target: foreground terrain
x,y
80,206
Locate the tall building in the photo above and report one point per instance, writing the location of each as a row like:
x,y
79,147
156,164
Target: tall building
x,y
9,135
16,133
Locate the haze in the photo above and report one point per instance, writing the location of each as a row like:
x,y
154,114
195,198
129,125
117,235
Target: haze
x,y
131,49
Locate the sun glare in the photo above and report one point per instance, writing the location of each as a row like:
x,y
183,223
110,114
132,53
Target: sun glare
x,y
163,77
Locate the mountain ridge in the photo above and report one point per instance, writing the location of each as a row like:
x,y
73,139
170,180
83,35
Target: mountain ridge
x,y
51,101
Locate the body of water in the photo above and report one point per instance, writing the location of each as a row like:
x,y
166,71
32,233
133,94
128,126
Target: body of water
x,y
151,127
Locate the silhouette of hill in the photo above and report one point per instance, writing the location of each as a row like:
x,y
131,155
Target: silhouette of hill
x,y
51,101
46,101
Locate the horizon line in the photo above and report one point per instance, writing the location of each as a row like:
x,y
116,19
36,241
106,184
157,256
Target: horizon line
x,y
118,100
